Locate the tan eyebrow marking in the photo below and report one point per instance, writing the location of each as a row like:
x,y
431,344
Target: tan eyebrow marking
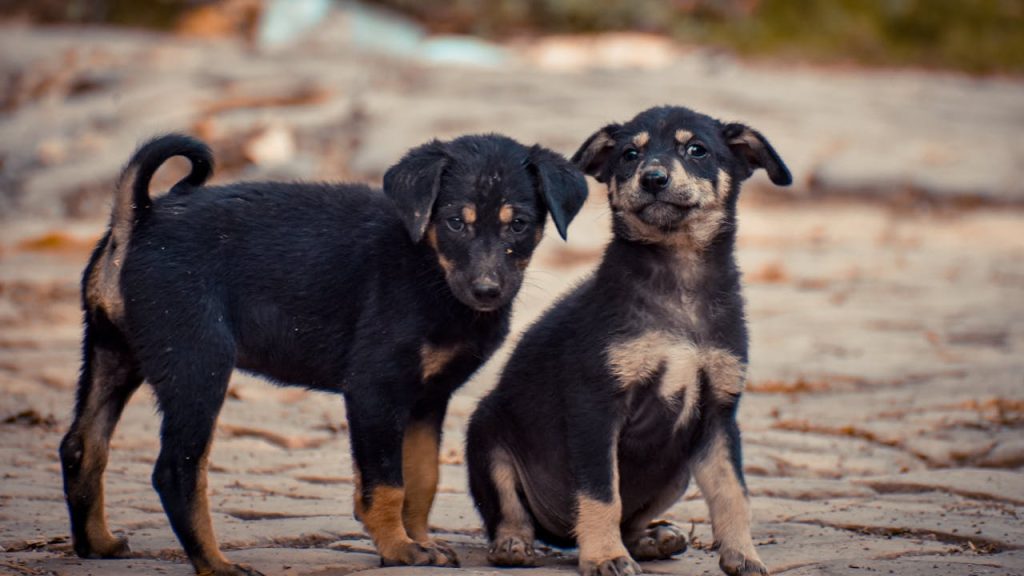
x,y
641,139
505,214
469,213
683,136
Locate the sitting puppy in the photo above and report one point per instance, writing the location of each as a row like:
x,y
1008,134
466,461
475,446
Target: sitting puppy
x,y
392,300
630,383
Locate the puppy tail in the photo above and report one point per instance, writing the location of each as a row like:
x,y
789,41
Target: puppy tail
x,y
132,200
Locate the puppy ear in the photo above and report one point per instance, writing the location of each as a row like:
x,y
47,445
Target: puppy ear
x,y
592,157
753,148
413,184
560,184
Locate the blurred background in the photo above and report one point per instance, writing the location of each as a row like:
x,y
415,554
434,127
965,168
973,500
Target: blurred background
x,y
884,412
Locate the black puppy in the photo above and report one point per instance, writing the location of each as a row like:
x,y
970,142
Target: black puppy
x,y
392,300
630,383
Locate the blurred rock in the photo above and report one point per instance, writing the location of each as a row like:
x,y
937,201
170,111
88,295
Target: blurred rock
x,y
620,50
272,145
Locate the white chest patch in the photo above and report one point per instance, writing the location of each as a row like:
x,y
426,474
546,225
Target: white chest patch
x,y
637,360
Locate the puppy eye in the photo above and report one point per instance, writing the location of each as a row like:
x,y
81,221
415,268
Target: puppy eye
x,y
455,224
630,154
518,225
696,150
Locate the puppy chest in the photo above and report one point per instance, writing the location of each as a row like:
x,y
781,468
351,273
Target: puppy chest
x,y
670,368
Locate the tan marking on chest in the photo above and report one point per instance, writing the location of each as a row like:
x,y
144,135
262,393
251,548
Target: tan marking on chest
x,y
434,359
637,360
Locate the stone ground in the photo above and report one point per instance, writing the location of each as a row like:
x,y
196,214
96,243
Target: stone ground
x,y
883,419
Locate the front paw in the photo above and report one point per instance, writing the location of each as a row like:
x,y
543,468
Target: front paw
x,y
620,566
659,541
736,563
511,551
420,554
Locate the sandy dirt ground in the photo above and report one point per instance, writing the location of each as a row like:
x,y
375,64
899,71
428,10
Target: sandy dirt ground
x,y
884,413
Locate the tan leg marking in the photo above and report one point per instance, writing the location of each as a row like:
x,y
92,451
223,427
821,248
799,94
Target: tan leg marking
x,y
434,359
515,520
597,530
357,493
469,213
90,485
420,474
211,557
383,520
727,501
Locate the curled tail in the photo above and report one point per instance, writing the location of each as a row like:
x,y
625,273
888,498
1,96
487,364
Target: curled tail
x,y
132,200
102,280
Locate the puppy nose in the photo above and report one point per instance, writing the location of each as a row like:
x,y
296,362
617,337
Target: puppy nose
x,y
654,180
486,290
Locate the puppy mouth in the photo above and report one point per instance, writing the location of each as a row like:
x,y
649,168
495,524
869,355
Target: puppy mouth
x,y
664,215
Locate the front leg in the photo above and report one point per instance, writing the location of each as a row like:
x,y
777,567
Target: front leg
x,y
421,447
377,422
719,475
593,460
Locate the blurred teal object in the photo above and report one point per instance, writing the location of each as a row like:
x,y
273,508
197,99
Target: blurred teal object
x,y
465,50
381,31
286,20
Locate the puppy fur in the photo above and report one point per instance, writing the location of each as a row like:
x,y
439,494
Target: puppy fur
x,y
629,385
391,299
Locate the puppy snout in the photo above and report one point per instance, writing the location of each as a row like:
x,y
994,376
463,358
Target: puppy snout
x,y
486,290
654,179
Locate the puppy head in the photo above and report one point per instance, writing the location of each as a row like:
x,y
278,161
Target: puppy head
x,y
673,174
480,202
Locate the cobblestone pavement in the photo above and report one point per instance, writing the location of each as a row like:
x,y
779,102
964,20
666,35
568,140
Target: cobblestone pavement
x,y
884,414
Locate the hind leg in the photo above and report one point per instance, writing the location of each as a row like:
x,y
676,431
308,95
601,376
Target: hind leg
x,y
190,398
657,541
109,376
650,539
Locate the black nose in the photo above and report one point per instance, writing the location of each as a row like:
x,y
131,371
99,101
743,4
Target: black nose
x,y
654,180
486,290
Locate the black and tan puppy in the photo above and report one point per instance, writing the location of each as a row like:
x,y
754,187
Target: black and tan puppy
x,y
392,300
629,385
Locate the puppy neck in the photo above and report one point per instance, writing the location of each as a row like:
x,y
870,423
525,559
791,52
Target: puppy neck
x,y
675,264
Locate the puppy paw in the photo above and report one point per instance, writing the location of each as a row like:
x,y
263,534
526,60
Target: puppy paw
x,y
420,554
620,566
511,551
109,546
661,540
736,563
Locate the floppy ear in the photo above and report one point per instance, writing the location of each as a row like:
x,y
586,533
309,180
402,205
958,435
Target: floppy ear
x,y
751,147
592,157
413,183
560,184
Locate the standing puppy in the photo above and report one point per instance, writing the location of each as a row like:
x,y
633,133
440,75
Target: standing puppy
x,y
629,385
392,300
